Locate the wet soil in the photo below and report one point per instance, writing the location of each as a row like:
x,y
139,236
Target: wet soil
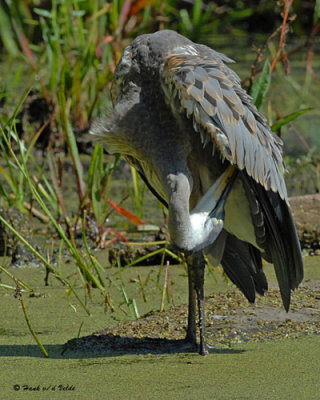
x,y
229,320
306,211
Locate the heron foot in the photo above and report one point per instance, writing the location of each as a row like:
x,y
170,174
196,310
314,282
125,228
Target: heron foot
x,y
203,351
192,340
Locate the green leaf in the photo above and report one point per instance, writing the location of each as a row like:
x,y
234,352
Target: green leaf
x,y
96,195
240,14
92,166
185,22
6,34
78,13
42,12
261,86
285,120
196,12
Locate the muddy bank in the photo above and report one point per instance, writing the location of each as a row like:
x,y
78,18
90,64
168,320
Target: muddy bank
x,y
306,211
229,320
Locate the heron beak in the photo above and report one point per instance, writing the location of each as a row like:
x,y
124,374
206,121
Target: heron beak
x,y
224,181
217,195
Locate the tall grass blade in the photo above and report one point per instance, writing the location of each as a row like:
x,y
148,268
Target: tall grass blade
x,y
261,86
71,140
6,34
18,295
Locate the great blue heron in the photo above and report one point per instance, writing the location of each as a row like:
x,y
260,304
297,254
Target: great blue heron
x,y
181,118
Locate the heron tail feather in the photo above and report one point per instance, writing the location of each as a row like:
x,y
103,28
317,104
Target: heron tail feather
x,y
282,242
242,263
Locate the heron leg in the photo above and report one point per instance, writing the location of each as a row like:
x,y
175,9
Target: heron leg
x,y
191,329
196,266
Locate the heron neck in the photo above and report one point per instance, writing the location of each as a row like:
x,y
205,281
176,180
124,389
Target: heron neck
x,y
195,230
179,218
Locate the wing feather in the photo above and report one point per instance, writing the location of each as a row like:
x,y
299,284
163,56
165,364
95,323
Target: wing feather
x,y
210,93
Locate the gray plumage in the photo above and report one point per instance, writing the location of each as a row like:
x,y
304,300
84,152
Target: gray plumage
x,y
181,118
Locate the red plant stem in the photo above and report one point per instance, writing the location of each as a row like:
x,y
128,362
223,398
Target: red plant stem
x,y
287,5
314,31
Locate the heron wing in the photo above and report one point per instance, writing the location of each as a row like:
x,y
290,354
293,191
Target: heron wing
x,y
196,82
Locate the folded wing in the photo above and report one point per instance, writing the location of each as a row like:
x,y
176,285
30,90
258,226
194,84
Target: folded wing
x,y
208,92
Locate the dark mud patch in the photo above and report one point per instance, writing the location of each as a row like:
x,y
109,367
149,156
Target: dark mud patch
x,y
229,321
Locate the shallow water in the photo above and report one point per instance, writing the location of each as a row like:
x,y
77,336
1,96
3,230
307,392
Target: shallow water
x,y
286,369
